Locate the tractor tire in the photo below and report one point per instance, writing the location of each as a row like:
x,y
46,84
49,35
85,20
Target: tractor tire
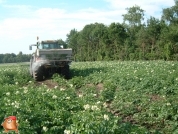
x,y
30,70
65,72
31,73
38,75
46,73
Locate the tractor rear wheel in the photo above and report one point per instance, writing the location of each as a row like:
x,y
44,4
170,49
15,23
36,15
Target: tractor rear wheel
x,y
65,72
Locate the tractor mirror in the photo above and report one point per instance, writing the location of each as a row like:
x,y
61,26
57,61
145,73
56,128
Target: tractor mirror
x,y
30,47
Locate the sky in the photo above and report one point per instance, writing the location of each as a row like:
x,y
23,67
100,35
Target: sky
x,y
22,21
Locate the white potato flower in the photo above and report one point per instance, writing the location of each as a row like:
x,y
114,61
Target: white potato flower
x,y
62,89
68,98
105,105
94,107
54,97
98,102
106,117
25,91
87,106
17,92
25,88
66,131
48,90
80,95
15,104
94,95
45,128
56,87
71,85
168,104
8,93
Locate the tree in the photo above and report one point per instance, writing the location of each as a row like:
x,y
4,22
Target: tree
x,y
170,15
71,41
90,39
134,16
1,58
100,38
133,23
19,57
117,35
148,36
63,43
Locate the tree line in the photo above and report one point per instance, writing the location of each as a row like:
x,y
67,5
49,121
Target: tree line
x,y
14,58
133,39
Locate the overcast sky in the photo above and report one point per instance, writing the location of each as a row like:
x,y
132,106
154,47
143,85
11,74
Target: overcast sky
x,y
22,21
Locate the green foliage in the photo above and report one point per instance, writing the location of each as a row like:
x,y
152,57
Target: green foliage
x,y
101,97
134,39
108,92
13,58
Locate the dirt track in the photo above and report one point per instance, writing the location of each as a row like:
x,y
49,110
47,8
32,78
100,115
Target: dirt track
x,y
49,83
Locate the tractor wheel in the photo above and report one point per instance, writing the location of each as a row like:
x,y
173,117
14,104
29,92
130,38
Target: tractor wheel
x,y
47,73
65,72
31,73
38,75
30,69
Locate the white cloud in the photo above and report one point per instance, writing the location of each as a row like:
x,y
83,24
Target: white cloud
x,y
52,20
2,1
50,13
151,7
142,3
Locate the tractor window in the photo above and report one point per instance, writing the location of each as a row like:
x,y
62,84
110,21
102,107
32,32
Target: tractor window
x,y
50,46
44,46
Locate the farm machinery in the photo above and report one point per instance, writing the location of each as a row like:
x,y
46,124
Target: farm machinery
x,y
49,57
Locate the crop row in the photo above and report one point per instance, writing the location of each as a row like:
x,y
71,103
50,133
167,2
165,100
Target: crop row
x,y
101,97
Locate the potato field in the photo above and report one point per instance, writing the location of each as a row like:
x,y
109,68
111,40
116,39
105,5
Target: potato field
x,y
114,97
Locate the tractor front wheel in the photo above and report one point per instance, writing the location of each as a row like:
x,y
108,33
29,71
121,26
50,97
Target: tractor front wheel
x,y
38,75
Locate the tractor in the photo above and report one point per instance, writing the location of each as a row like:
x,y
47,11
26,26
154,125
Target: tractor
x,y
50,57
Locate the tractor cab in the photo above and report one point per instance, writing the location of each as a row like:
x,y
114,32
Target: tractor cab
x,y
50,44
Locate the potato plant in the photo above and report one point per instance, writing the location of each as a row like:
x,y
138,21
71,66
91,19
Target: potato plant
x,y
101,97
